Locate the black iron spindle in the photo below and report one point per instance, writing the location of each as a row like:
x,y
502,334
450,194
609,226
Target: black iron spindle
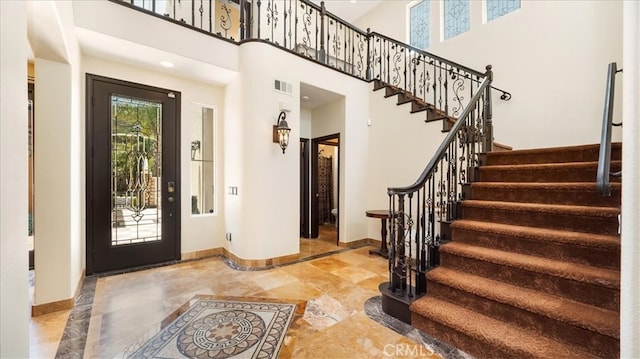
x,y
259,16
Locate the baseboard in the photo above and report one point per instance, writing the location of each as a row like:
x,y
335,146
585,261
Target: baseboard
x,y
65,304
260,263
46,308
360,242
201,254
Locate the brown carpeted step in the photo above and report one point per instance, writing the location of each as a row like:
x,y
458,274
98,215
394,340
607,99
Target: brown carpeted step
x,y
586,153
568,193
583,248
545,172
585,219
593,329
592,285
483,336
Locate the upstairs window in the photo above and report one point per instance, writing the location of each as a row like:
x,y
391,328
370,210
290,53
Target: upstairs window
x,y
419,24
456,18
497,8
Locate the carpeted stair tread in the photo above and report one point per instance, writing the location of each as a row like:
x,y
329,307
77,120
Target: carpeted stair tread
x,y
576,272
541,234
589,211
515,341
545,172
585,153
599,320
569,193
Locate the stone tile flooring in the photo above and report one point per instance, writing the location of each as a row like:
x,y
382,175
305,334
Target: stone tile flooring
x,y
129,307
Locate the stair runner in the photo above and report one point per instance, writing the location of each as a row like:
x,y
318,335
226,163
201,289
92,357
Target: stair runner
x,y
533,268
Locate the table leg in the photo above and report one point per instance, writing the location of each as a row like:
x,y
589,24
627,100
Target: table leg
x,y
383,251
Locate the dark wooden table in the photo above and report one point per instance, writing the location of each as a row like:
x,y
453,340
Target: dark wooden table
x,y
383,214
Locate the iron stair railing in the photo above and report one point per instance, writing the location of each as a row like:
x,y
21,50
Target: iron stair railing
x,y
424,210
603,185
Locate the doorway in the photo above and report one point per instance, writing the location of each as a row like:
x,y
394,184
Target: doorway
x,y
304,188
133,177
325,187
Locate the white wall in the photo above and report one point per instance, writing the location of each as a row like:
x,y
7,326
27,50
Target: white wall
x,y
198,232
630,252
14,295
401,145
551,55
305,122
274,198
146,40
59,147
52,178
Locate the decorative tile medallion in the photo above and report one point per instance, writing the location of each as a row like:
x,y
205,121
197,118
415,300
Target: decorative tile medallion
x,y
222,329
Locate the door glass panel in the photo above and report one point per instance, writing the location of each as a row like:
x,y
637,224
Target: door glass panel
x,y
136,170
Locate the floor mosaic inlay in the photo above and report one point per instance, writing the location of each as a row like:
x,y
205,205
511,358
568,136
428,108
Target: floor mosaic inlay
x,y
219,329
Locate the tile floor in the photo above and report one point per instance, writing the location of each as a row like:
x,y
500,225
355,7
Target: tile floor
x,y
130,307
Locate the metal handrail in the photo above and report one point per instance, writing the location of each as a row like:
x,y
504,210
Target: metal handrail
x,y
439,153
603,185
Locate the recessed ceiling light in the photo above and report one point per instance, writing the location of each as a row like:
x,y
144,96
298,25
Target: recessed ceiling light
x,y
166,64
353,1
305,98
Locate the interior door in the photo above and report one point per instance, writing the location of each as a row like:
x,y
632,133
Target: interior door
x,y
330,140
133,181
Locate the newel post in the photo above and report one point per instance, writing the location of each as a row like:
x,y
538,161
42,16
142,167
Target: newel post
x,y
487,115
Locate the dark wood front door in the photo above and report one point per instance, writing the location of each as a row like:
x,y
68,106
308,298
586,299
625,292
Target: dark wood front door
x,y
133,177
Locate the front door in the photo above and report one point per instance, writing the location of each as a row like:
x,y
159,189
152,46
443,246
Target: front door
x,y
133,200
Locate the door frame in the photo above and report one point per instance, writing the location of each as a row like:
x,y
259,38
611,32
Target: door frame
x,y
89,176
315,216
304,187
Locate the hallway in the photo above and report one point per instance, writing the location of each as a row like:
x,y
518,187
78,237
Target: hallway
x,y
128,308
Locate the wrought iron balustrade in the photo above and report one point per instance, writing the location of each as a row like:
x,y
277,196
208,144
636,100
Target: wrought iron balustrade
x,y
298,26
426,208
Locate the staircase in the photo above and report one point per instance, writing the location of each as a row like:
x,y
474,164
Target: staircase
x,y
533,268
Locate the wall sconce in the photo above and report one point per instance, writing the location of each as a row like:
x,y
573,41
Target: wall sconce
x,y
281,131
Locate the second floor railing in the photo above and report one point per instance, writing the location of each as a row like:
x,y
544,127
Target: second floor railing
x,y
309,30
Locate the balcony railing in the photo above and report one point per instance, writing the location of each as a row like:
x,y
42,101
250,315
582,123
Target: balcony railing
x,y
311,31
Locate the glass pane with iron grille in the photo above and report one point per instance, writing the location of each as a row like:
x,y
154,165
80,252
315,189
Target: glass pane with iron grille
x,y
136,170
419,22
497,8
456,18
